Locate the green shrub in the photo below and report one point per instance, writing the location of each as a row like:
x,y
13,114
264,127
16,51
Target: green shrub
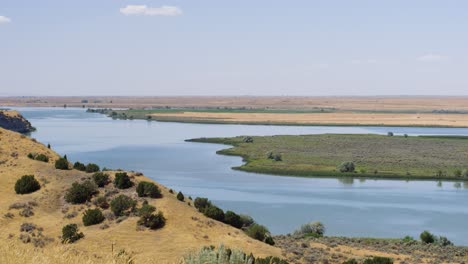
x,y
346,167
79,166
427,237
246,220
378,260
70,233
201,203
61,164
214,212
270,260
122,204
27,184
316,229
258,232
80,192
233,219
42,157
269,240
148,189
150,220
390,134
277,157
408,239
457,173
91,167
180,196
93,217
101,179
351,261
122,181
222,255
443,241
30,155
101,202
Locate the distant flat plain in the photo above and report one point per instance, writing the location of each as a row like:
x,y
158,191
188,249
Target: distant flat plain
x,y
379,111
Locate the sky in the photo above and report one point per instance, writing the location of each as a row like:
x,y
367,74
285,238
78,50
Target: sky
x,y
242,47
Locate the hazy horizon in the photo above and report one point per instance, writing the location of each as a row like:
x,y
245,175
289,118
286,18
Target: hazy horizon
x,y
241,48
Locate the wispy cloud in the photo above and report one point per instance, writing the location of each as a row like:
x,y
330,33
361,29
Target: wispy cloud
x,y
4,20
151,11
430,57
366,61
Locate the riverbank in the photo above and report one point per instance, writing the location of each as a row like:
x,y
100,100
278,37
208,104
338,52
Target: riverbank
x,y
371,156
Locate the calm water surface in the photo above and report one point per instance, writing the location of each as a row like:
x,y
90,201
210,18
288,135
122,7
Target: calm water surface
x,y
372,208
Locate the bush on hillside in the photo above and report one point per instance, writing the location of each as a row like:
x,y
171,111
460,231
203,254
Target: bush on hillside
x,y
91,167
427,237
346,167
314,229
122,205
27,184
80,192
233,219
79,166
150,220
122,181
246,220
148,189
214,212
226,255
61,164
351,261
180,196
101,202
378,260
70,233
42,157
259,232
201,203
93,217
443,241
101,179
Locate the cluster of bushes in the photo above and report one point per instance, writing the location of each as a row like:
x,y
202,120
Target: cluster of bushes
x,y
314,229
246,223
148,189
27,184
347,167
70,233
456,173
80,192
226,255
91,167
273,156
122,181
428,238
148,218
39,157
374,260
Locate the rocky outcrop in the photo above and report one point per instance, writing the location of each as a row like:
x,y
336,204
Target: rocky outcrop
x,y
14,121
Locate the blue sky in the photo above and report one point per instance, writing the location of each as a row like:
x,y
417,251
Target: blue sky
x,y
114,47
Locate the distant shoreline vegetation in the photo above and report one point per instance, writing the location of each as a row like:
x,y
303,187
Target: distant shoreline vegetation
x,y
351,156
152,115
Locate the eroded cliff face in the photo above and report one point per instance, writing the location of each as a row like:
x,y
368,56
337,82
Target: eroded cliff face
x,y
14,121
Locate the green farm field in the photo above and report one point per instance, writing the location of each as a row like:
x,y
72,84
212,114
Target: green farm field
x,y
374,156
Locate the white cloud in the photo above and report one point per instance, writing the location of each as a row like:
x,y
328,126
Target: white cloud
x,y
432,57
4,20
368,61
151,11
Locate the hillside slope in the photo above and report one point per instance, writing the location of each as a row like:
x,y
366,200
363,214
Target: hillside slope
x,y
12,120
186,229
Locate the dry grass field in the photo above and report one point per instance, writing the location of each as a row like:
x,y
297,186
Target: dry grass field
x,y
186,229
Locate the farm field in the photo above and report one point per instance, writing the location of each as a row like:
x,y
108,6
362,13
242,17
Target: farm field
x,y
373,156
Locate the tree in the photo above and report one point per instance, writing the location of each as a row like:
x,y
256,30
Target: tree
x,y
214,212
148,189
122,181
101,179
201,203
427,237
80,192
61,164
233,219
70,233
346,167
122,204
27,184
79,166
91,167
180,196
93,217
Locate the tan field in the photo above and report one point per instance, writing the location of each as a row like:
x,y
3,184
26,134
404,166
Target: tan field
x,y
186,229
341,118
371,103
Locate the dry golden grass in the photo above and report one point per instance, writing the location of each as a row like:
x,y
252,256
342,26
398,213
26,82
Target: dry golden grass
x,y
186,229
338,118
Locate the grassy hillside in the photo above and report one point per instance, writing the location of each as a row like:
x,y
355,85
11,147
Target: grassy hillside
x,y
113,241
372,155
